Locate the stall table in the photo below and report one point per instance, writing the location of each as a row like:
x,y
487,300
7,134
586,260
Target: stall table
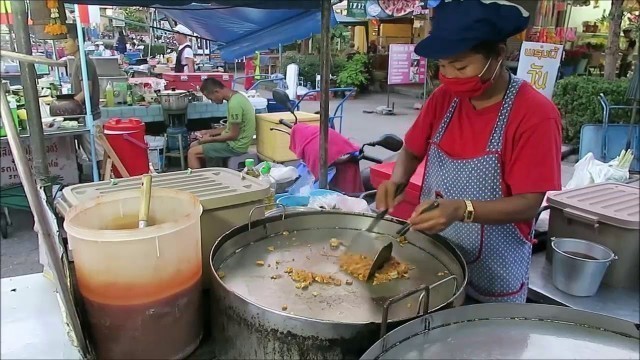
x,y
620,303
32,322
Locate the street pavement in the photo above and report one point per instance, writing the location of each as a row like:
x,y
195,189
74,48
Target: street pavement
x,y
20,251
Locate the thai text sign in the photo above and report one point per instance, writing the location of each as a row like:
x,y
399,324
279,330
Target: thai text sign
x,y
61,158
539,64
405,67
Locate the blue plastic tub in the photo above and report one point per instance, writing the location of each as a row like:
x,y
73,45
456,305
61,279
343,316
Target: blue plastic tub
x,y
293,200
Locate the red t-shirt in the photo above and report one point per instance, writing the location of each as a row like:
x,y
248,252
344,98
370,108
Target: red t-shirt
x,y
531,152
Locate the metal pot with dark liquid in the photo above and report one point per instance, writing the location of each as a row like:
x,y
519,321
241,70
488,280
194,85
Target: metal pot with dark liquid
x,y
65,105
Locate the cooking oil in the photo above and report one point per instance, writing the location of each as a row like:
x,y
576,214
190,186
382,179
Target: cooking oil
x,y
250,169
269,200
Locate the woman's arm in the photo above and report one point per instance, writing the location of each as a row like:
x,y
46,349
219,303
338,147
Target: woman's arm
x,y
507,210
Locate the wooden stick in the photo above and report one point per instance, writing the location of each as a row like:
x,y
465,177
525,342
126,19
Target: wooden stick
x,y
112,155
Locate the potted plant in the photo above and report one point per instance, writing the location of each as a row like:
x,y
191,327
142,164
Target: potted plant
x,y
355,73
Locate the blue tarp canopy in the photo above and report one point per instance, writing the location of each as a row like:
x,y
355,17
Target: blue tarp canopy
x,y
243,26
256,4
243,30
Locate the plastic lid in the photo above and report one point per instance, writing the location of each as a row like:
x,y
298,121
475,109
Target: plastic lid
x,y
612,203
266,169
249,163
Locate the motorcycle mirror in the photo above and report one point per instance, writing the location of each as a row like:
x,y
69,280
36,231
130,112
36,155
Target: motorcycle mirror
x,y
282,98
390,142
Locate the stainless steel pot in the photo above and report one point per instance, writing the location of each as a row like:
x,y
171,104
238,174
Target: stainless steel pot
x,y
510,331
249,316
174,100
579,266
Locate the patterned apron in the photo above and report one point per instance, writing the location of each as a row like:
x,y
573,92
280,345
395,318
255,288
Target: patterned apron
x,y
497,256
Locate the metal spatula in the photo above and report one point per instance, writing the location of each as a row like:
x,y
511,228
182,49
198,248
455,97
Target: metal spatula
x,y
385,252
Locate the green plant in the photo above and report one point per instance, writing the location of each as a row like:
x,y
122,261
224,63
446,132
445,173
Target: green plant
x,y
577,99
156,49
135,14
309,65
355,73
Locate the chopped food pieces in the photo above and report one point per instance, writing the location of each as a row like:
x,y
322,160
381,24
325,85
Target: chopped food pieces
x,y
260,263
349,282
284,307
402,240
304,279
276,277
315,293
271,248
358,266
288,270
220,274
334,244
285,233
443,273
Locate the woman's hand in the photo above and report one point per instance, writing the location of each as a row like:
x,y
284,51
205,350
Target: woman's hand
x,y
438,219
385,196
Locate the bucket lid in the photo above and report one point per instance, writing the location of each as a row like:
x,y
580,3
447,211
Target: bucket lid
x,y
131,124
613,203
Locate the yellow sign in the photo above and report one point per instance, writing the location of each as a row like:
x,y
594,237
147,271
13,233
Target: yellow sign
x,y
539,64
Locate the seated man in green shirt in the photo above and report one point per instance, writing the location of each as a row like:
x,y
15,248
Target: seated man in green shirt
x,y
216,145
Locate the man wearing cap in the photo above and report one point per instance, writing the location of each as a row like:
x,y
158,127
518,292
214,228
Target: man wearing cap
x,y
627,53
184,59
491,144
71,48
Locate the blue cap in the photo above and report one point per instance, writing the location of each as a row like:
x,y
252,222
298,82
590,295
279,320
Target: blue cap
x,y
459,25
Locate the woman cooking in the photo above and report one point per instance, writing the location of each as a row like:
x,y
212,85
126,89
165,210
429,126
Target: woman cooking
x,y
491,143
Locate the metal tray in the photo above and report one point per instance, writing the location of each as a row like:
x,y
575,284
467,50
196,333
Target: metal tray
x,y
301,240
510,331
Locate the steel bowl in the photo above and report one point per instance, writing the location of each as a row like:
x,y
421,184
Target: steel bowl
x,y
174,100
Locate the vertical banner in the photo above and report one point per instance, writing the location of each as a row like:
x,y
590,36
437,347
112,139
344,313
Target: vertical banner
x,y
539,64
405,67
83,14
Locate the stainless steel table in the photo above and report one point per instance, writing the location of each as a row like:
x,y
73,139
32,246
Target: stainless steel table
x,y
52,134
619,303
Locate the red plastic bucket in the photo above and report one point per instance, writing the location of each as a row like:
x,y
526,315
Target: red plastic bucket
x,y
126,137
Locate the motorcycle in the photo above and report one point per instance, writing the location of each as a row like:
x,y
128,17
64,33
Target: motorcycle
x,y
344,156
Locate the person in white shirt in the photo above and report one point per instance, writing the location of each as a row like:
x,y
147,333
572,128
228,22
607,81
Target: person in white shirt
x,y
185,61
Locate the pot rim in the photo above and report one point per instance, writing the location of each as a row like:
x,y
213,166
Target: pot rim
x,y
462,285
612,255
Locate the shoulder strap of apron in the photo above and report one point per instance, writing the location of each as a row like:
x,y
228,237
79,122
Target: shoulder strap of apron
x,y
497,136
445,122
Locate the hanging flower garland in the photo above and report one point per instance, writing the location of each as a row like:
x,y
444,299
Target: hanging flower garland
x,y
55,26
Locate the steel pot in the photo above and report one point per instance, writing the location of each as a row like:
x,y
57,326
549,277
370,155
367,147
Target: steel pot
x,y
258,313
579,265
65,105
510,331
174,100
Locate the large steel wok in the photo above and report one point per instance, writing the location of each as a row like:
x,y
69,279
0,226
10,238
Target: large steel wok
x,y
510,331
259,317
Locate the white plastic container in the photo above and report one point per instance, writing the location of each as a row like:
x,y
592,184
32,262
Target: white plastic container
x,y
156,147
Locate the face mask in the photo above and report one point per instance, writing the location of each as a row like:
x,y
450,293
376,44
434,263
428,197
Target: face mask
x,y
469,87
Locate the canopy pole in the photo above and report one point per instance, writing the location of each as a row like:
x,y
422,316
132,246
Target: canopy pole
x,y
87,97
28,78
325,69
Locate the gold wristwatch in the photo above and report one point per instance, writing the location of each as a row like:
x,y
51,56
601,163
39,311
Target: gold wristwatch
x,y
469,212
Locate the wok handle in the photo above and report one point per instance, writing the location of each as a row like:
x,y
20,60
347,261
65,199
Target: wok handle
x,y
284,211
426,295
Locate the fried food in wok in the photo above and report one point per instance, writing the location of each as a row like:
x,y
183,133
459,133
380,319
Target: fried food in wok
x,y
304,278
358,266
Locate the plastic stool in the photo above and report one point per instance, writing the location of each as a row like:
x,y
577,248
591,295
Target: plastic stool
x,y
237,162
